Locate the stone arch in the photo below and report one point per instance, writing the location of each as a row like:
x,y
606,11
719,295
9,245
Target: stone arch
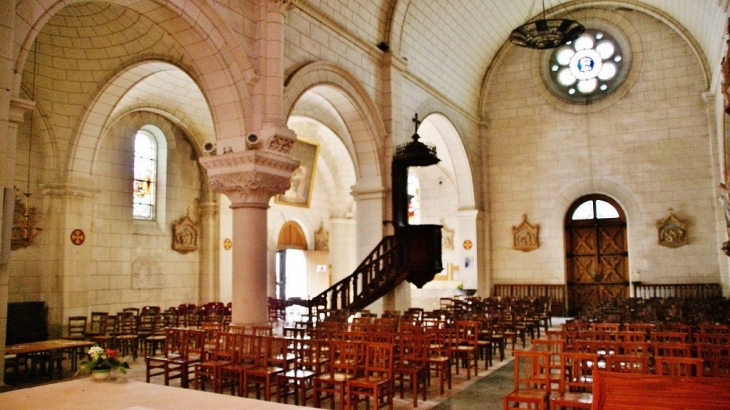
x,y
220,66
355,107
553,230
398,17
435,112
85,148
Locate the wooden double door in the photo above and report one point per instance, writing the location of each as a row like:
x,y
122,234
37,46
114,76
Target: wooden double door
x,y
596,256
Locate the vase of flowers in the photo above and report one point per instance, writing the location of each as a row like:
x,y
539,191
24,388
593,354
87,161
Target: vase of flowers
x,y
101,362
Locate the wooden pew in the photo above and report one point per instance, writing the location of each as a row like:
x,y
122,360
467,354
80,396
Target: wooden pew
x,y
623,391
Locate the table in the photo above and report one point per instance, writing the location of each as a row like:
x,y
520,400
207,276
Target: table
x,y
53,345
123,394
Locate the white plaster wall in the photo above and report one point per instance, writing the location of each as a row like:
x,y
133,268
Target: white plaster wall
x,y
649,151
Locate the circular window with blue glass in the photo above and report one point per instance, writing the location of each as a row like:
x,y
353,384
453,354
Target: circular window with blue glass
x,y
587,69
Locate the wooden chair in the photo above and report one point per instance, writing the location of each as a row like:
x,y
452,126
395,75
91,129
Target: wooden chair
x,y
412,364
531,380
626,363
377,380
146,328
670,337
273,361
183,349
606,327
439,357
126,339
248,356
465,346
716,359
224,353
678,366
671,349
576,379
170,360
308,363
76,328
106,338
97,324
342,366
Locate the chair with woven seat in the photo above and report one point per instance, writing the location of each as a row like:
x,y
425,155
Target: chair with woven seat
x,y
576,381
531,380
273,361
308,363
377,379
466,346
412,364
439,356
126,338
169,361
344,359
183,349
224,353
248,355
108,332
96,325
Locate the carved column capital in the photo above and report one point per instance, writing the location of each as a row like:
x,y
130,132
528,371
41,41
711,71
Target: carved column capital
x,y
249,178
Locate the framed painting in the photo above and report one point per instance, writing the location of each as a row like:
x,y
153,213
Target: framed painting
x,y
302,179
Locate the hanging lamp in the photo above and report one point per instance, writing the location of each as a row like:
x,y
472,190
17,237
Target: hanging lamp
x,y
546,33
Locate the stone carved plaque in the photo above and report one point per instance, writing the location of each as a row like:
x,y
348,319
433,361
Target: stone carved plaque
x,y
525,236
321,239
447,238
671,232
185,235
146,274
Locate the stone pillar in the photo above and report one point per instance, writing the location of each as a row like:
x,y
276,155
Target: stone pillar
x,y
210,284
249,179
64,285
343,259
11,114
369,225
467,229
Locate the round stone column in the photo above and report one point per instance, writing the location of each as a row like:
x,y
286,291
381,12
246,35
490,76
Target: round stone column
x,y
249,179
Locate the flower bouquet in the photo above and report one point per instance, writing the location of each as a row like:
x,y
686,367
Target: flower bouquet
x,y
103,360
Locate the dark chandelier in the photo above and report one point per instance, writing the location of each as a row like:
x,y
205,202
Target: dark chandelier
x,y
545,33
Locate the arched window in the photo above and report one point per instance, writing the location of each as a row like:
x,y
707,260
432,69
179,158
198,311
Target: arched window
x,y
145,173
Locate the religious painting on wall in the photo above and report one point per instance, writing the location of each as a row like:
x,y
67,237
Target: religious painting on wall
x,y
302,179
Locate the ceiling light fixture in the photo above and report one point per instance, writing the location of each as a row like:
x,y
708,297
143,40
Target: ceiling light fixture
x,y
545,33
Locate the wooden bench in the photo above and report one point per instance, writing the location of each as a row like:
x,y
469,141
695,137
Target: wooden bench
x,y
622,391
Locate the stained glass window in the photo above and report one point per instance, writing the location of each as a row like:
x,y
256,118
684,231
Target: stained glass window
x,y
145,171
588,68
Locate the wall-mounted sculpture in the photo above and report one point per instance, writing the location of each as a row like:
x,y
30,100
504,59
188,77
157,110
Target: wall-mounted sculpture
x,y
526,236
185,235
671,232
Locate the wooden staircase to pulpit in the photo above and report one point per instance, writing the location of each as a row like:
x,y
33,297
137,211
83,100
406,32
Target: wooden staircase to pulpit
x,y
412,254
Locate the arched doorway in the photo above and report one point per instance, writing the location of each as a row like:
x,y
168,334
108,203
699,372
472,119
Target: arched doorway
x,y
596,253
290,274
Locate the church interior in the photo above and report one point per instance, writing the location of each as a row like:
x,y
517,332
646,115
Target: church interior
x,y
243,154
